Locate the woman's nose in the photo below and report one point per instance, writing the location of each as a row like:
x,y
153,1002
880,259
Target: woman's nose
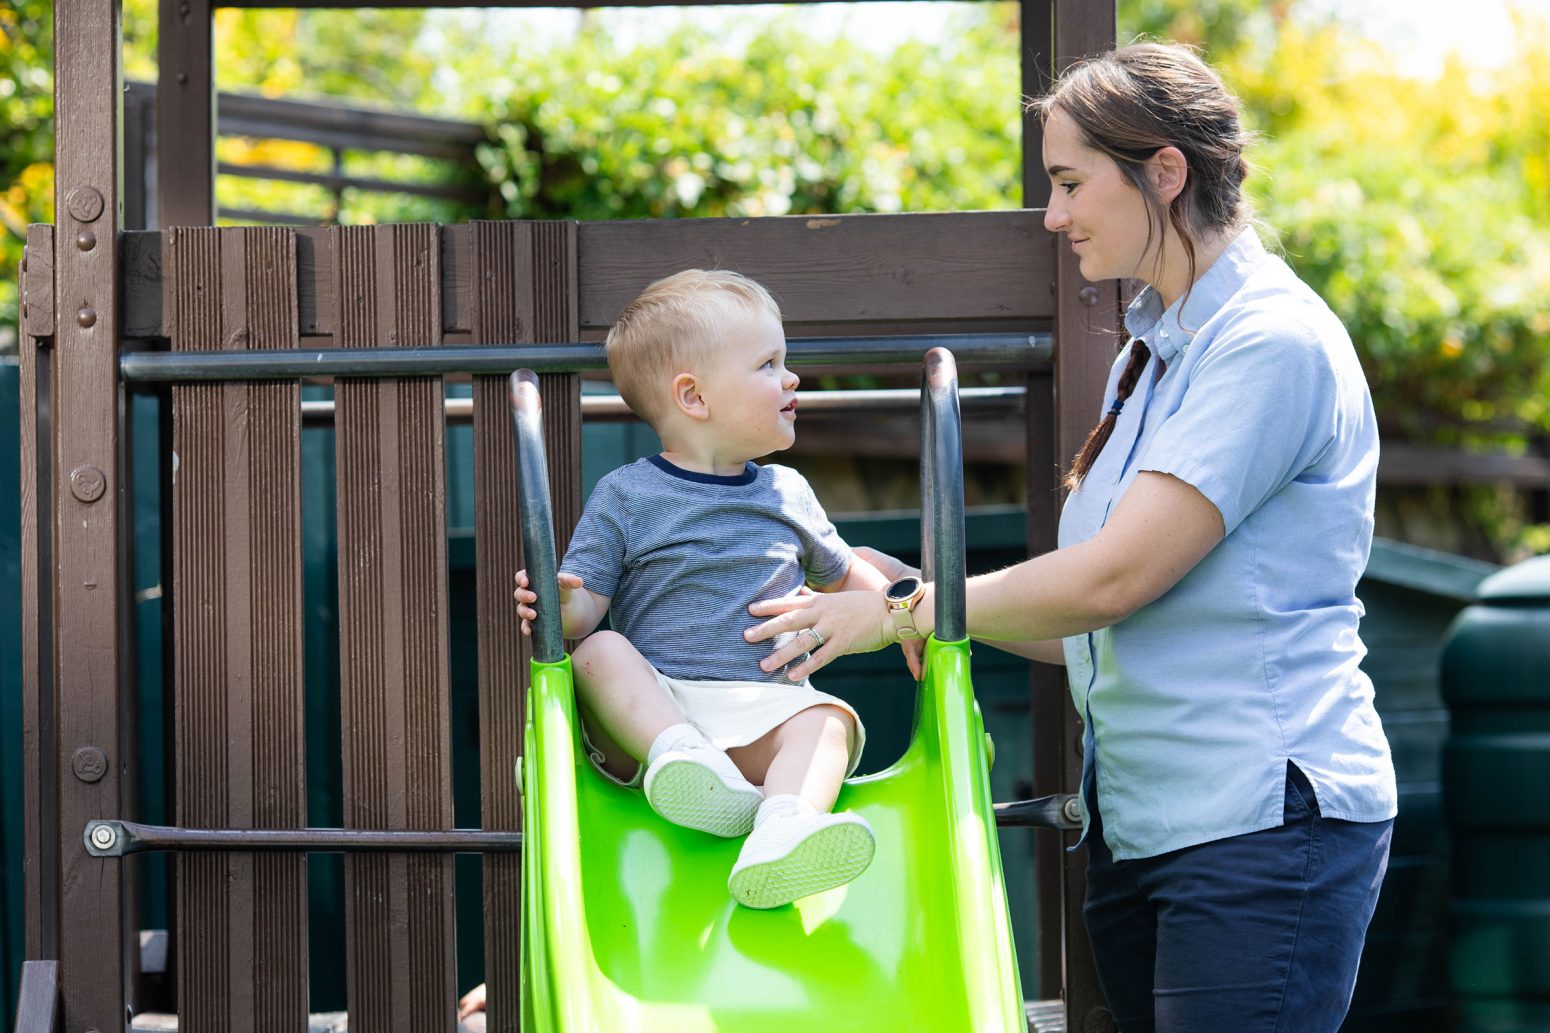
x,y
1055,218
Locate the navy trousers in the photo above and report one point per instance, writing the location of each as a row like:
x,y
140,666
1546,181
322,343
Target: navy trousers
x,y
1259,933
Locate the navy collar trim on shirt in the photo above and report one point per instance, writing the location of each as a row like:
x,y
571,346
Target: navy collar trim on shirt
x,y
750,471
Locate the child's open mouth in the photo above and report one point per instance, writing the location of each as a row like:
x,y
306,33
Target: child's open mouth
x,y
792,408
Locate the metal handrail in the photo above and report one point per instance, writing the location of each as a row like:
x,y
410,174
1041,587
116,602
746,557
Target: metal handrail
x,y
1029,351
527,413
941,493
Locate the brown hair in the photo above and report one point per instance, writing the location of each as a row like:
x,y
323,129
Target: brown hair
x,y
1130,103
673,324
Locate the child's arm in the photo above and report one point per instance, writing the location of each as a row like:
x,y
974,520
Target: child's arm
x,y
580,610
862,576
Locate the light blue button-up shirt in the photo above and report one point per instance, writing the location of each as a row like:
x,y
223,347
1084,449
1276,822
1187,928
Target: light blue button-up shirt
x,y
1195,702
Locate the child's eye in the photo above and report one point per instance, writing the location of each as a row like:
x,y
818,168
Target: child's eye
x,y
768,364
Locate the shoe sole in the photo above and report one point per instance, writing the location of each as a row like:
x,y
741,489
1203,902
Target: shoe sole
x,y
830,857
692,795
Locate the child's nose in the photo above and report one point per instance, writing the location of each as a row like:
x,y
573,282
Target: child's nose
x,y
792,380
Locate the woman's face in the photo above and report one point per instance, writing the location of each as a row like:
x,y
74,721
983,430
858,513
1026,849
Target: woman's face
x,y
1095,205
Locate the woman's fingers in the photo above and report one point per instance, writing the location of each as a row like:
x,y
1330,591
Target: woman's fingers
x,y
816,661
775,607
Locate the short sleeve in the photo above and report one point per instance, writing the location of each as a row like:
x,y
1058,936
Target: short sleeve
x,y
825,556
597,548
1260,408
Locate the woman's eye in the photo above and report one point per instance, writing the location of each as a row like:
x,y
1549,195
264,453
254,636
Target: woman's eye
x,y
1068,187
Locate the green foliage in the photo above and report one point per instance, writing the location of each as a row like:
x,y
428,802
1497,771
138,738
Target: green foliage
x,y
693,125
26,137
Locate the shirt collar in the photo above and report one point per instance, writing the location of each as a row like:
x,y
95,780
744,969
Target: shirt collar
x,y
1168,332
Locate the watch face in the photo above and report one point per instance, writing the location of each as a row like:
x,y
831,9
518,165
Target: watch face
x,y
901,590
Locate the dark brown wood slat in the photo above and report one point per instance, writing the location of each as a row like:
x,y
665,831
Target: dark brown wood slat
x,y
499,253
37,1002
200,675
37,282
242,950
395,685
534,267
850,268
1087,325
40,788
1046,685
185,114
88,575
870,273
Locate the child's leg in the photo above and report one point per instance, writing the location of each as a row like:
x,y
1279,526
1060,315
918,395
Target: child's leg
x,y
618,688
806,756
687,780
797,848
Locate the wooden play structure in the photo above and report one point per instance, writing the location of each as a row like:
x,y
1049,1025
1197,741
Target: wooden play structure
x,y
228,323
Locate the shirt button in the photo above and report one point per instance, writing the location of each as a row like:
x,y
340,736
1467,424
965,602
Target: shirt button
x,y
1163,333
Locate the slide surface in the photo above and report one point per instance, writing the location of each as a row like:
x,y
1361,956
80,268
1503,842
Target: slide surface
x,y
627,923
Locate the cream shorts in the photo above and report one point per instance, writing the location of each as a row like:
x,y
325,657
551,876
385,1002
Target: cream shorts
x,y
736,713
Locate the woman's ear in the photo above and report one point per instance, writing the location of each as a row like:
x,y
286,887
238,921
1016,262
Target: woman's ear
x,y
687,397
1169,171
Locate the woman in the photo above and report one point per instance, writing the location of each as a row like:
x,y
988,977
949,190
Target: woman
x,y
1238,788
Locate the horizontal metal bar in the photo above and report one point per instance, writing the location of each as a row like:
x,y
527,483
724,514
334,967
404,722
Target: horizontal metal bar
x,y
337,181
121,838
1061,811
612,408
1025,351
118,838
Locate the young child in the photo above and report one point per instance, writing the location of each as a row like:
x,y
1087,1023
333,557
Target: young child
x,y
674,547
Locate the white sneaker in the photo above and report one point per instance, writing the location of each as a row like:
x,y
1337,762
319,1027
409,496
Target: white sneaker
x,y
699,787
796,855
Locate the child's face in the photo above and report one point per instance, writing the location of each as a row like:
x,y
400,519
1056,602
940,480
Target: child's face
x,y
751,393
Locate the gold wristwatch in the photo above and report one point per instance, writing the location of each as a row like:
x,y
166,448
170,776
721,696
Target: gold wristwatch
x,y
902,596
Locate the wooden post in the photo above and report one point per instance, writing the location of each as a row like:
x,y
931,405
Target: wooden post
x,y
395,684
185,115
86,579
1087,324
40,851
525,292
238,732
1047,688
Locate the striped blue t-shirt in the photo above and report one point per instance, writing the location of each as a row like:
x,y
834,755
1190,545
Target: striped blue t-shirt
x,y
681,555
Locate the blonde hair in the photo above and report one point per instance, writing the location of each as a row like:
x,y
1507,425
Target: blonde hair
x,y
673,324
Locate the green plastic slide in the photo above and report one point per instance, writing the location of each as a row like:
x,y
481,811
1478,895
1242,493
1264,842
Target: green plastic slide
x,y
627,923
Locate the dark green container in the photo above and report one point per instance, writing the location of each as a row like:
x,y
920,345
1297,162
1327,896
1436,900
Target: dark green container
x,y
1496,782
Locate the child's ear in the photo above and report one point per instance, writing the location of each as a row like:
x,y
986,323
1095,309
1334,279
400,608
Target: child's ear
x,y
687,397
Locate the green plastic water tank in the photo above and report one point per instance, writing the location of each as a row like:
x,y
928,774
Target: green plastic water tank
x,y
1496,784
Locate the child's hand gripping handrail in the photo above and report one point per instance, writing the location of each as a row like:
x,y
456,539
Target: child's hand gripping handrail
x,y
527,413
941,493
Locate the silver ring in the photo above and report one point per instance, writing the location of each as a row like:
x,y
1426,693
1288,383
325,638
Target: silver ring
x,y
817,637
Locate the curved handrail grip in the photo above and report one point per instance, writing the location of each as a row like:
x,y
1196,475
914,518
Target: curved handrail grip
x,y
527,414
941,493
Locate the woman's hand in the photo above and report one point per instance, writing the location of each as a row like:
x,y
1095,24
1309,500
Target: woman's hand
x,y
891,567
847,622
527,598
